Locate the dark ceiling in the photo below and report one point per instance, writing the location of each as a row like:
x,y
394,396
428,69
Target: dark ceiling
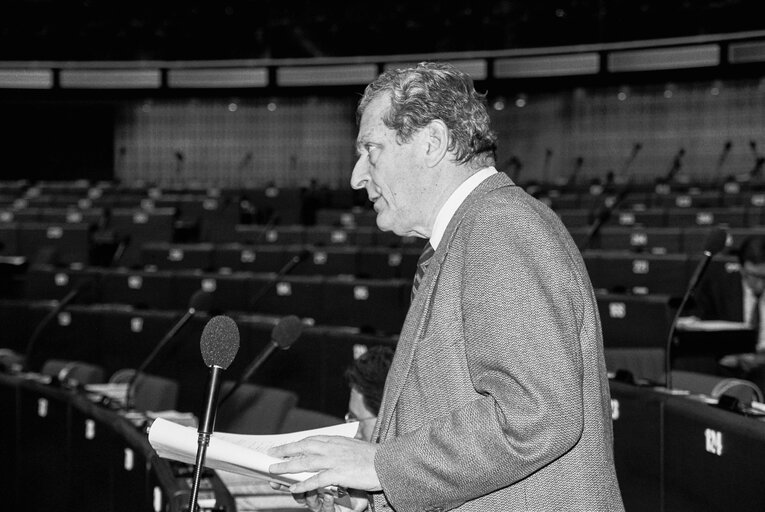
x,y
235,29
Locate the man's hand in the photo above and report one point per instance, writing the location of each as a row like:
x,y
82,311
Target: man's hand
x,y
336,461
319,502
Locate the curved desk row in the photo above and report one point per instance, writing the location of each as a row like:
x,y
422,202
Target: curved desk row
x,y
677,453
60,451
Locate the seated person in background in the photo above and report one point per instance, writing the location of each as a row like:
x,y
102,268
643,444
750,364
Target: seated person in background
x,y
739,299
366,378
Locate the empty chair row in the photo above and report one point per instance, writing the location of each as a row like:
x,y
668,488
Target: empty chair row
x,y
363,262
645,274
668,217
254,234
115,338
371,305
658,240
731,195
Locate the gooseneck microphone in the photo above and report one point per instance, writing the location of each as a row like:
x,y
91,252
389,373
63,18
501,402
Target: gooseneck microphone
x,y
715,242
200,301
219,345
286,269
283,335
87,284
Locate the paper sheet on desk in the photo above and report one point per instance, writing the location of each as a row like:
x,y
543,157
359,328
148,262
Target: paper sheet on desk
x,y
691,323
236,453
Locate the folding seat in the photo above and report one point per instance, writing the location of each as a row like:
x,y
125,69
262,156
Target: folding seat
x,y
250,258
77,371
575,218
327,235
230,292
371,305
387,263
299,419
65,243
8,239
18,322
73,334
650,217
640,274
295,369
28,215
218,218
45,282
327,217
291,295
640,239
632,321
254,409
325,261
149,392
687,217
129,336
755,216
140,226
166,256
139,288
253,234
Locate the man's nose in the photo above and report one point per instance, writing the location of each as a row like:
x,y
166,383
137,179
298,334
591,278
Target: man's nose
x,y
359,176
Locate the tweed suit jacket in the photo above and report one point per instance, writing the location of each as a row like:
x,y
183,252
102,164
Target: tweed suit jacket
x,y
497,398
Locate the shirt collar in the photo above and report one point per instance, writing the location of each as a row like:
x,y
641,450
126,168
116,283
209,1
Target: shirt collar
x,y
457,197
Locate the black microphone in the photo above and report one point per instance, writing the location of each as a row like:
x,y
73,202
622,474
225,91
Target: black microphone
x,y
714,243
219,345
283,335
603,215
200,301
286,269
87,284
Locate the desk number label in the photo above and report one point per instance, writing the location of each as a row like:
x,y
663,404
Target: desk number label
x,y
614,409
714,441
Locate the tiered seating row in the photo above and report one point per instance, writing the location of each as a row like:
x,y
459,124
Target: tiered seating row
x,y
114,338
659,240
370,305
650,273
362,262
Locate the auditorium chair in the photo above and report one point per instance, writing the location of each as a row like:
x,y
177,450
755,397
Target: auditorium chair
x,y
299,419
640,239
325,261
79,371
249,258
165,256
150,392
253,409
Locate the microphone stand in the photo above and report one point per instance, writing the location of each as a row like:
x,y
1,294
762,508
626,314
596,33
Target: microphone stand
x,y
286,269
673,326
205,431
130,392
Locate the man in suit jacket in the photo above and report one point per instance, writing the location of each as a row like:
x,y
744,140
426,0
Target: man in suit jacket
x,y
497,398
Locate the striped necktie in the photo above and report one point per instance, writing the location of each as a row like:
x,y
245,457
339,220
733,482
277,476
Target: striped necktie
x,y
422,264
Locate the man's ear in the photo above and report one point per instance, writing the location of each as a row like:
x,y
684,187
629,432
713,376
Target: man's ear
x,y
436,142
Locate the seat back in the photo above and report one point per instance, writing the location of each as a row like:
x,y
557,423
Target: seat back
x,y
151,393
254,409
81,372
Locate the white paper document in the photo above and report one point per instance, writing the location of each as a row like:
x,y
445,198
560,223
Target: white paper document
x,y
236,453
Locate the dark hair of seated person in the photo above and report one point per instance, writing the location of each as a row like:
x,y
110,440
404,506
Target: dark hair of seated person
x,y
752,249
367,375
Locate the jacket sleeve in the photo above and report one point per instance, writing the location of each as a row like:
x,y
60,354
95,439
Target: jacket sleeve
x,y
522,307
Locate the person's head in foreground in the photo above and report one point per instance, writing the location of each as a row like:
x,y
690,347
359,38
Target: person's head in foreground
x,y
366,378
